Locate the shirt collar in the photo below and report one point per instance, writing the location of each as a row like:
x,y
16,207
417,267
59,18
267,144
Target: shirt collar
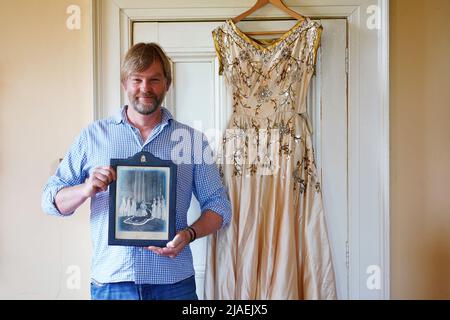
x,y
121,116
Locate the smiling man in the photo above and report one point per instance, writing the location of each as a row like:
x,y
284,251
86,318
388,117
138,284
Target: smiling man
x,y
143,125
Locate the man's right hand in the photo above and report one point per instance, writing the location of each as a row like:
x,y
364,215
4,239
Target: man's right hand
x,y
67,200
99,181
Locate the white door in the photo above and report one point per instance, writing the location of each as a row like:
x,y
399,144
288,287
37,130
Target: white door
x,y
199,98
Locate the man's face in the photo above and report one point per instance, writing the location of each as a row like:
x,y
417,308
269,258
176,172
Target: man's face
x,y
146,90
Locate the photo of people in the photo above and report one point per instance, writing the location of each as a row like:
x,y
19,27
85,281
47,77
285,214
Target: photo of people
x,y
142,202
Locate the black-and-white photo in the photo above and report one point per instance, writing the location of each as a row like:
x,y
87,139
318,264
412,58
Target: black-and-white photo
x,y
142,201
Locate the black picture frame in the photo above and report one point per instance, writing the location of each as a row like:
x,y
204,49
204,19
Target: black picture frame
x,y
142,201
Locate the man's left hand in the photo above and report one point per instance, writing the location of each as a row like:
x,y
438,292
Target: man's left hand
x,y
174,247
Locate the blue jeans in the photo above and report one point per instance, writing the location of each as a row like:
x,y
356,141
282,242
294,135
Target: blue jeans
x,y
183,290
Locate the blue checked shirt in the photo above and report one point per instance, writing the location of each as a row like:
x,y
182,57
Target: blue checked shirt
x,y
115,137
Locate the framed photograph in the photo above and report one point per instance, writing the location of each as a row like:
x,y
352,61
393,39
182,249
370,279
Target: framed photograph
x,y
142,201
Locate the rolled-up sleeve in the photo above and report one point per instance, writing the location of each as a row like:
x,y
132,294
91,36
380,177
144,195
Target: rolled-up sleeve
x,y
208,187
70,173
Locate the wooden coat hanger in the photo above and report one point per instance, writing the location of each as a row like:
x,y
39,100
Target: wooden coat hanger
x,y
261,3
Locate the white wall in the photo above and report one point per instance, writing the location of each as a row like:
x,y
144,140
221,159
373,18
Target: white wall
x,y
420,149
45,99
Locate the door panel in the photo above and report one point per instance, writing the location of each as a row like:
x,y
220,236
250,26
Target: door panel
x,y
330,134
199,98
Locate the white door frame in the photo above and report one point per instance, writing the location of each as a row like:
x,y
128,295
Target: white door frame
x,y
368,105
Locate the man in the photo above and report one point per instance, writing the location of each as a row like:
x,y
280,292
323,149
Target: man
x,y
120,272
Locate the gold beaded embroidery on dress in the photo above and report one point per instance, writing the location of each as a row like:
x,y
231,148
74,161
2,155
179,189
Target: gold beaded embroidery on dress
x,y
276,246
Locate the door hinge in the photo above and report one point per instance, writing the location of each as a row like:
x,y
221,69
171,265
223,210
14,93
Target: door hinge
x,y
347,62
347,255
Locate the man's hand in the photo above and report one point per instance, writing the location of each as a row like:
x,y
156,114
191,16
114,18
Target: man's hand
x,y
67,200
208,223
174,247
99,181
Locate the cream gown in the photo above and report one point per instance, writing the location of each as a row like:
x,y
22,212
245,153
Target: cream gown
x,y
276,246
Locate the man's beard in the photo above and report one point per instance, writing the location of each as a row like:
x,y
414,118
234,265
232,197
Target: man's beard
x,y
149,108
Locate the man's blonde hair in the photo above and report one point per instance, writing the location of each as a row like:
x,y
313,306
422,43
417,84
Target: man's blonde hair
x,y
141,56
